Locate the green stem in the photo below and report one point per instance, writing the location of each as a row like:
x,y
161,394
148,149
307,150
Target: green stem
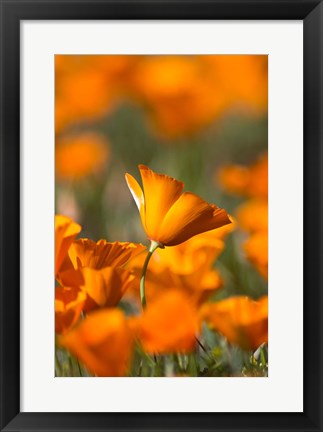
x,y
79,367
153,246
262,357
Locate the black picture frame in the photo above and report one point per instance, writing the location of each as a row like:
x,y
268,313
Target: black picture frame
x,y
12,12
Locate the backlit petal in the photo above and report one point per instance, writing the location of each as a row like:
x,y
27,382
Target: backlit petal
x,y
137,195
161,192
190,215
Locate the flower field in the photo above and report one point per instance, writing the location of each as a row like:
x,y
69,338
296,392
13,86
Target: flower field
x,y
161,225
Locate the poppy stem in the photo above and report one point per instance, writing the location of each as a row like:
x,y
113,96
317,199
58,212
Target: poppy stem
x,y
153,246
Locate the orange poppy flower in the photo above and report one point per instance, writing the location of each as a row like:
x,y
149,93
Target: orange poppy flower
x,y
247,181
241,320
175,90
252,216
196,254
80,155
99,270
81,96
65,232
88,86
169,216
169,324
182,94
256,249
97,255
233,178
197,287
69,303
103,341
82,92
241,79
104,287
187,266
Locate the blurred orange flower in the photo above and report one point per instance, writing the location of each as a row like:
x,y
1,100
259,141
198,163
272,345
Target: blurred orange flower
x,y
197,287
196,253
103,341
169,216
81,95
247,181
187,266
242,79
86,87
69,303
169,324
241,320
252,216
182,94
65,232
256,249
176,94
80,155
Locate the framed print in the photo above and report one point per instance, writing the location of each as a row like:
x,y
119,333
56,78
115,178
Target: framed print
x,y
161,215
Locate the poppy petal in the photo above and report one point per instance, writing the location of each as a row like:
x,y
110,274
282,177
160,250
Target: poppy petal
x,y
87,253
65,232
189,216
137,195
103,342
169,324
161,192
69,303
241,320
106,286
